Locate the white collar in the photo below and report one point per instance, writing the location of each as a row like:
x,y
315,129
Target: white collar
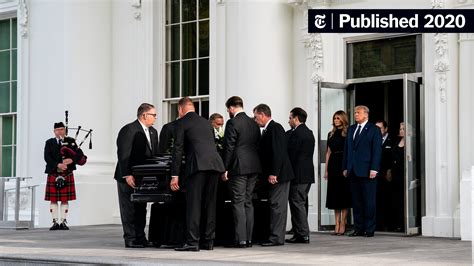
x,y
145,128
266,125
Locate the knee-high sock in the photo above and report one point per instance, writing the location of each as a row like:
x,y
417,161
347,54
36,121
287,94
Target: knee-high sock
x,y
53,209
64,210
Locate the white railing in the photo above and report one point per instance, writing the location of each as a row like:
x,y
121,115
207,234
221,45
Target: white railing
x,y
11,199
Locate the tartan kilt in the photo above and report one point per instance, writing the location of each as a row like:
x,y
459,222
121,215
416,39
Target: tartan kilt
x,y
66,193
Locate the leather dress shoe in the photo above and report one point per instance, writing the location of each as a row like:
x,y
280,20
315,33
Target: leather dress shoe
x,y
249,244
187,247
133,244
270,244
368,234
240,244
295,239
208,245
147,243
357,233
55,226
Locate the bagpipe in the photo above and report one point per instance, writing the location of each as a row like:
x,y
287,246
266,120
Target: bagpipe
x,y
70,150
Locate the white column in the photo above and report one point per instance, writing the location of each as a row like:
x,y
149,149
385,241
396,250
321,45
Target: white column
x,y
466,154
442,146
259,65
68,67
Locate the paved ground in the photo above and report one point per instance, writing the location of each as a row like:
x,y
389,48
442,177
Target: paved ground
x,y
103,245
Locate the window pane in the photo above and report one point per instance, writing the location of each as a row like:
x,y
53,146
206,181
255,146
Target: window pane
x,y
5,66
189,10
189,40
173,111
7,125
6,161
5,97
172,14
189,78
172,43
4,34
14,25
205,109
197,107
14,64
383,57
203,76
172,80
204,38
203,9
14,96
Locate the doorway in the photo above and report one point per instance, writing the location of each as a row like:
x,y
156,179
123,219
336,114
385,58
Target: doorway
x,y
394,99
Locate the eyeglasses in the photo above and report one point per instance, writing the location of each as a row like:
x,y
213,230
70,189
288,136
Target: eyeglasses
x,y
154,115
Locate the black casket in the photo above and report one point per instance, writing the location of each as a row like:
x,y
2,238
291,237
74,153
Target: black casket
x,y
154,180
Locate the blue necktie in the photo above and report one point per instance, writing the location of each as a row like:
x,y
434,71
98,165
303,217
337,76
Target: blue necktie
x,y
357,133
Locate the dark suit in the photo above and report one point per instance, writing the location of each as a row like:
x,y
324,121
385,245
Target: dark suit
x,y
383,186
167,137
194,138
241,160
274,158
361,155
132,149
300,151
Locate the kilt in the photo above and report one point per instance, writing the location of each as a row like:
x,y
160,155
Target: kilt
x,y
66,193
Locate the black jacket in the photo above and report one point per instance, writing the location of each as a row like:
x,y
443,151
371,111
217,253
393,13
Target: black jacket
x,y
133,148
194,138
52,156
274,153
300,150
167,137
241,139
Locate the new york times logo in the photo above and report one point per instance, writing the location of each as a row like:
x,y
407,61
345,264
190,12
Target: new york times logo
x,y
319,21
391,20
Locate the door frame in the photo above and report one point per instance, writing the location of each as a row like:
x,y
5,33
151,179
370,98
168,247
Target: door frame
x,y
350,104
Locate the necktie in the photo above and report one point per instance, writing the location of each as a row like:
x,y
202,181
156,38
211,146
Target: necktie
x,y
147,133
357,133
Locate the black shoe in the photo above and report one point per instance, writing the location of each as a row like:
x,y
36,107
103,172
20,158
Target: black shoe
x,y
270,244
208,245
147,244
55,226
367,234
63,226
290,232
240,244
295,239
187,247
133,244
357,233
249,244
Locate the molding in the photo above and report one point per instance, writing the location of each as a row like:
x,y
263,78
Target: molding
x,y
441,62
23,18
314,44
137,9
463,3
463,37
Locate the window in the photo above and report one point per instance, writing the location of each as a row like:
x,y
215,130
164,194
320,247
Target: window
x,y
8,88
187,54
384,57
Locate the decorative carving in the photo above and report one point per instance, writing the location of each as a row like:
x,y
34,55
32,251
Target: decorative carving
x,y
313,42
23,18
441,66
137,5
437,3
466,37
